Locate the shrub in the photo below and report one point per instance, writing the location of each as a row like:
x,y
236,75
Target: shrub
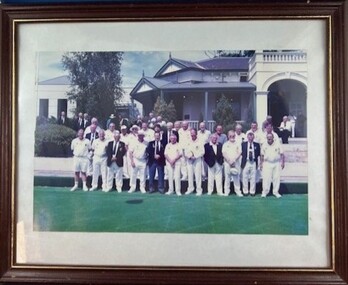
x,y
53,140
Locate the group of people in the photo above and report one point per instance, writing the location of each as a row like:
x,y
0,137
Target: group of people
x,y
177,152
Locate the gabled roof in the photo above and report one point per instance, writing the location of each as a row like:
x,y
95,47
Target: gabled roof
x,y
147,84
61,80
178,64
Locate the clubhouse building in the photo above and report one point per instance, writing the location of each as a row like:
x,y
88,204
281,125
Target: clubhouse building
x,y
268,83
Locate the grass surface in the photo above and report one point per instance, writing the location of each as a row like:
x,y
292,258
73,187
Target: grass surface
x,y
58,209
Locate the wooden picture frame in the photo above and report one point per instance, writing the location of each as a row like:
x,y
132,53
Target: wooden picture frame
x,y
331,13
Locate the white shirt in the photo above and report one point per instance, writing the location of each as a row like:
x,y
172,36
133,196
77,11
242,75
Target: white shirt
x,y
258,135
240,138
194,149
149,135
285,126
231,150
272,153
124,139
275,137
184,136
80,148
214,146
203,137
173,150
99,147
109,135
88,130
138,149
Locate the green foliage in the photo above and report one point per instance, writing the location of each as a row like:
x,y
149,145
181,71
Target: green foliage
x,y
95,81
167,111
53,140
223,114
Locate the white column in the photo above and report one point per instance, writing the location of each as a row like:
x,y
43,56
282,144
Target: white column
x,y
71,108
52,107
261,106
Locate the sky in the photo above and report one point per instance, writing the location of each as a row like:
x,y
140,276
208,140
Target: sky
x,y
133,64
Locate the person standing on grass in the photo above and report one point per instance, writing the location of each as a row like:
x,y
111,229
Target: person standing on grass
x,y
80,147
173,153
272,161
194,153
138,157
232,151
115,152
250,159
99,161
156,162
214,159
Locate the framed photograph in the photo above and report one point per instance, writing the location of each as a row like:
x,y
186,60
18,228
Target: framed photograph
x,y
228,66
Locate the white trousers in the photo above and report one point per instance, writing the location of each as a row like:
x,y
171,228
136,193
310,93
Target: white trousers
x,y
249,174
183,163
99,168
174,177
228,177
194,171
271,174
117,172
138,171
127,166
215,174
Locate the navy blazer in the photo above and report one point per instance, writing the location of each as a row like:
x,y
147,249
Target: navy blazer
x,y
150,150
257,152
88,136
165,136
120,152
210,157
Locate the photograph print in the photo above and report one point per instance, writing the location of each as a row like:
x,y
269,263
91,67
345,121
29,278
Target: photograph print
x,y
195,142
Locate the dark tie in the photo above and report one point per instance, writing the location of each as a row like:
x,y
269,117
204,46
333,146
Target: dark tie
x,y
115,149
250,153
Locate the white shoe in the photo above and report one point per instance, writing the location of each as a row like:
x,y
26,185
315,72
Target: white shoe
x,y
199,194
74,188
239,195
277,195
143,191
188,192
85,189
169,193
131,190
263,195
178,194
93,189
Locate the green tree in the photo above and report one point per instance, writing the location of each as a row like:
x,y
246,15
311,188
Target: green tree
x,y
95,81
166,111
223,114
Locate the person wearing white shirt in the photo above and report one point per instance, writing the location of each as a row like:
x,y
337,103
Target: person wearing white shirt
x,y
109,133
99,161
94,121
269,130
203,135
272,161
240,136
173,153
185,138
285,130
127,167
258,135
149,134
80,147
137,151
231,152
194,152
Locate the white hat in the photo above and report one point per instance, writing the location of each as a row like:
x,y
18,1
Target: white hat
x,y
134,127
123,127
234,171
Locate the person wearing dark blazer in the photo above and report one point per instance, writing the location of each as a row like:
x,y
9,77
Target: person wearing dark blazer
x,y
250,161
79,123
214,159
63,120
156,161
115,152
